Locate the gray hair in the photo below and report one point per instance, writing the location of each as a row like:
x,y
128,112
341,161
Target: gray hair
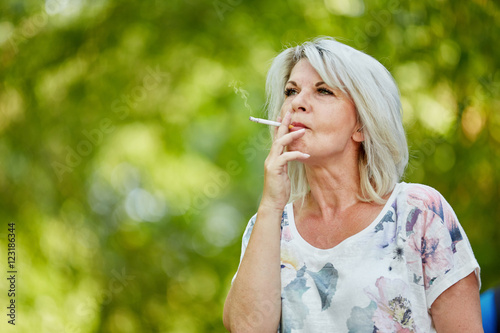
x,y
384,152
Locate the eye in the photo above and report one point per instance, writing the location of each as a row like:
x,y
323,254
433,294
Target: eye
x,y
325,91
290,91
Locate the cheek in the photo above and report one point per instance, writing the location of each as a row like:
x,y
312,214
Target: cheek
x,y
330,135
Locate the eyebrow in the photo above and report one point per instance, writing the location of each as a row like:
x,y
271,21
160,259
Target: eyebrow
x,y
316,85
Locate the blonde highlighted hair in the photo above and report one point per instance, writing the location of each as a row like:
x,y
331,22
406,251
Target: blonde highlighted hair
x,y
384,152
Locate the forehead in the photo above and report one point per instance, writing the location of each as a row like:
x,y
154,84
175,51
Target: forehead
x,y
303,70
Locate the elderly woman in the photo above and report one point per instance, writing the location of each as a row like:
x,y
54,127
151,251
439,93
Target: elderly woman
x,y
339,244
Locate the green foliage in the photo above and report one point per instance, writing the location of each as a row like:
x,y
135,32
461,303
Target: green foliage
x,y
130,168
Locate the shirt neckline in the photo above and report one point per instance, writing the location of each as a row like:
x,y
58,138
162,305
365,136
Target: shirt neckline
x,y
302,241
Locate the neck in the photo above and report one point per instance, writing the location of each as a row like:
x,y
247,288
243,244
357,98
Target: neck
x,y
333,189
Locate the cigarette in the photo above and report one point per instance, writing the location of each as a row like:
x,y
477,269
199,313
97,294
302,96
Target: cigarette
x,y
267,122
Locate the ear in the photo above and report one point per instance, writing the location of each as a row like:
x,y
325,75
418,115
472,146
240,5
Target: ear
x,y
358,135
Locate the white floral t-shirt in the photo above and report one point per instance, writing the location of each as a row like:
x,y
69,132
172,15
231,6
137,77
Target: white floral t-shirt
x,y
382,279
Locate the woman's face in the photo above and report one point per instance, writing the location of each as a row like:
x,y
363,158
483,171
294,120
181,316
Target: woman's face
x,y
328,115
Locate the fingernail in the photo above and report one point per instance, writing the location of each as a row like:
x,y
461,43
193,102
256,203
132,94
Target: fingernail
x,y
306,155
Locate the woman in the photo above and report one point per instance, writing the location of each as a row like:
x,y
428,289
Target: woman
x,y
337,244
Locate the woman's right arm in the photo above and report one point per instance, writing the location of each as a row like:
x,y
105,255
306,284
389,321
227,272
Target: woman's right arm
x,y
254,300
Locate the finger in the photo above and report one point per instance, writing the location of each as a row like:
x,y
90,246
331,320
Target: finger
x,y
279,165
289,156
283,129
288,138
277,127
280,143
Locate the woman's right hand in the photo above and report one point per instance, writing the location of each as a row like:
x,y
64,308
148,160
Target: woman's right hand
x,y
276,182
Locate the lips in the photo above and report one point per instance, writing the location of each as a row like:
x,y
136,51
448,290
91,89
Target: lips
x,y
297,126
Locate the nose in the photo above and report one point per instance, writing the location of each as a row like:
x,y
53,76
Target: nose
x,y
300,102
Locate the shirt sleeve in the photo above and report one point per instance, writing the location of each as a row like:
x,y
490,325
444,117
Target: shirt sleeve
x,y
460,263
245,239
436,235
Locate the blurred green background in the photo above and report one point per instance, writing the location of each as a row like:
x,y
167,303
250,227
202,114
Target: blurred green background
x,y
130,168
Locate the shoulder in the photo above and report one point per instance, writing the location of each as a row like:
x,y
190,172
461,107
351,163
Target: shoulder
x,y
424,210
421,191
423,198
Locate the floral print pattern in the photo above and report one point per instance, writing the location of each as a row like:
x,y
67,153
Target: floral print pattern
x,y
433,233
388,311
294,311
432,246
393,312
